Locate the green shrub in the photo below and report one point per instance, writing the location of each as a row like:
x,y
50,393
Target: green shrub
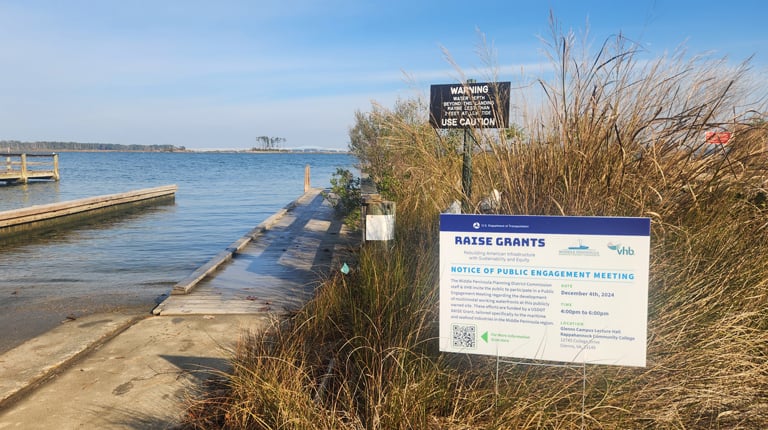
x,y
345,196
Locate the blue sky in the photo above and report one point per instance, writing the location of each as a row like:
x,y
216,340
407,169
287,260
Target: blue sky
x,y
217,74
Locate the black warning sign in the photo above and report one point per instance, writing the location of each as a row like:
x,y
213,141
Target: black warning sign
x,y
471,105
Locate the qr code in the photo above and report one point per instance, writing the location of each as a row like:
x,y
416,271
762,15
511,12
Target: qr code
x,y
464,336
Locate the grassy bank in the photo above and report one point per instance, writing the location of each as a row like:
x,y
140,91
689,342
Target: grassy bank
x,y
614,136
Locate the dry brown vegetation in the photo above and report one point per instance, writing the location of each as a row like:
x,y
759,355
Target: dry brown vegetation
x,y
615,136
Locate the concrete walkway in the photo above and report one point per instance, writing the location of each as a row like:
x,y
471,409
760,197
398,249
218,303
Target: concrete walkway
x,y
116,371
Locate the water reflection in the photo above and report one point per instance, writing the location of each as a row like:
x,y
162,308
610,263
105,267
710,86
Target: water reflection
x,y
14,196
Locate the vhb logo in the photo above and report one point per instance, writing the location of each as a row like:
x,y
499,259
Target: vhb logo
x,y
621,250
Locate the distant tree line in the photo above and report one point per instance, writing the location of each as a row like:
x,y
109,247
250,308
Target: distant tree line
x,y
267,143
16,146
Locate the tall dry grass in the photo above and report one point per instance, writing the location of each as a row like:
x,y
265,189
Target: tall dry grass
x,y
615,136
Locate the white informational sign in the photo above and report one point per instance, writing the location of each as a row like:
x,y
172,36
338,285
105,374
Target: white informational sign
x,y
379,227
568,289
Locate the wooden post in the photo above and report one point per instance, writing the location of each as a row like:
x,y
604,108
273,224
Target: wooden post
x,y
307,185
378,219
56,176
23,168
363,217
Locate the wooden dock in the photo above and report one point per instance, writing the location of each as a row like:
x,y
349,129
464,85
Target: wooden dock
x,y
21,168
275,268
32,217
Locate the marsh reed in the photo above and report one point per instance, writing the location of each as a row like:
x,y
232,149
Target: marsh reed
x,y
614,135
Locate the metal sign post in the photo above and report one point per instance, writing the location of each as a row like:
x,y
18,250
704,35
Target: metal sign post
x,y
469,105
466,172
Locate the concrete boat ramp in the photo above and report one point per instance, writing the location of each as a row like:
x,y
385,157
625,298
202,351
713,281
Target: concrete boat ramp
x,y
114,371
274,268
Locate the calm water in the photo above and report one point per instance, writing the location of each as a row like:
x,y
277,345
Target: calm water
x,y
130,259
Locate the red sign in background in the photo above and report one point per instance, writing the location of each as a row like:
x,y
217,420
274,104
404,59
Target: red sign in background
x,y
717,137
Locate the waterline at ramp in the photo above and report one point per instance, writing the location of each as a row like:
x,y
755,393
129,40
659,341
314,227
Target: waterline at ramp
x,y
129,373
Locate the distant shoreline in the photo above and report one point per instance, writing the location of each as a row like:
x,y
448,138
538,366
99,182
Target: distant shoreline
x,y
189,151
195,151
15,146
286,151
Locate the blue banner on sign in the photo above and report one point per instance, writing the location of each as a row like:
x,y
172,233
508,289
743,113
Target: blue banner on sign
x,y
540,224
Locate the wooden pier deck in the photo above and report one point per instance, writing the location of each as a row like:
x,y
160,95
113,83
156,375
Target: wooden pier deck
x,y
32,217
20,167
273,269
